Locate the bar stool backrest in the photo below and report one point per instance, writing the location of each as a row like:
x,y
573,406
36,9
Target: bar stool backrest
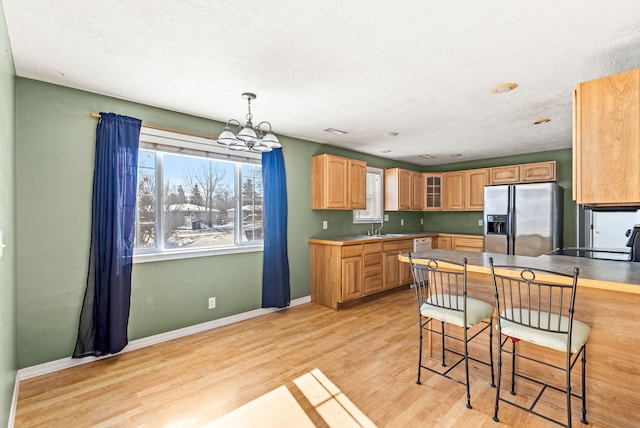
x,y
440,283
535,298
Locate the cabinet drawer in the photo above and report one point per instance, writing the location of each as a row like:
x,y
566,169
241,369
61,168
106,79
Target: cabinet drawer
x,y
373,247
372,284
372,270
406,245
373,259
351,251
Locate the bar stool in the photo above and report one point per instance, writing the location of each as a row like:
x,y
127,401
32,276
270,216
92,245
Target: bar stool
x,y
441,295
537,306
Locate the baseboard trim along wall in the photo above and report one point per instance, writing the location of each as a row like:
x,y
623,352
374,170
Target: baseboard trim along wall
x,y
65,363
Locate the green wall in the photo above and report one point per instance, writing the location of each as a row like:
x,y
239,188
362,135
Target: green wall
x,y
55,151
7,225
467,222
54,170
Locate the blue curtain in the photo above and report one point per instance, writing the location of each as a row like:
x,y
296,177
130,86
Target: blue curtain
x,y
276,291
105,310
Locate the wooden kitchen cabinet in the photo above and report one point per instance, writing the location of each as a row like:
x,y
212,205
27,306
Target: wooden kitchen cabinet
x,y
457,242
464,190
372,260
432,190
338,183
351,278
398,193
606,145
442,242
416,191
476,179
454,190
394,272
537,172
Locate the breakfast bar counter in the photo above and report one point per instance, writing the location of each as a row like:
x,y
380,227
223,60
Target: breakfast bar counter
x,y
607,299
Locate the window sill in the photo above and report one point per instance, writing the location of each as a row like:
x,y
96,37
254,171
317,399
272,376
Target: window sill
x,y
205,252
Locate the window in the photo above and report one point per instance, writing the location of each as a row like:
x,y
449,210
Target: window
x,y
195,198
374,211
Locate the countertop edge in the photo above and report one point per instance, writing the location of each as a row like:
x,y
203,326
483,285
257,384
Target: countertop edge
x,y
585,279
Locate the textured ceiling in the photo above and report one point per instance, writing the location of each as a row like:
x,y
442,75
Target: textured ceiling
x,y
420,68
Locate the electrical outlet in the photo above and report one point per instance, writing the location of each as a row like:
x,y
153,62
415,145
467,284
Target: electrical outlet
x,y
480,222
401,222
212,302
386,217
325,225
422,221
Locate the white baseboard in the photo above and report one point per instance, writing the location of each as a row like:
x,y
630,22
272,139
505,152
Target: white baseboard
x,y
65,363
14,403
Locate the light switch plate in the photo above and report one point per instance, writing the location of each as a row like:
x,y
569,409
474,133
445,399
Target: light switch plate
x,y
325,225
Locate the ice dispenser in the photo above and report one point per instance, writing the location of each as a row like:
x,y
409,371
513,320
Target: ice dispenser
x,y
496,224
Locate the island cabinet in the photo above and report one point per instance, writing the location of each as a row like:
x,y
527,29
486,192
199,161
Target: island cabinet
x,y
338,183
524,173
606,145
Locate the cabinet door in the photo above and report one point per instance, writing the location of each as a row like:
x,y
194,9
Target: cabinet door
x,y
432,189
454,190
351,278
442,243
538,172
405,274
608,144
404,189
390,269
357,185
329,180
476,180
505,174
416,191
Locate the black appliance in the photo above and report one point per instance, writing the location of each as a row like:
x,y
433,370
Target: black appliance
x,y
634,243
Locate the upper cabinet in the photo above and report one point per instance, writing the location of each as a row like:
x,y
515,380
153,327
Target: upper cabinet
x,y
432,190
454,190
338,183
464,190
524,173
606,141
402,190
476,179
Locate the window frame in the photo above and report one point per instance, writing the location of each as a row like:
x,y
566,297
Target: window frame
x,y
168,142
358,218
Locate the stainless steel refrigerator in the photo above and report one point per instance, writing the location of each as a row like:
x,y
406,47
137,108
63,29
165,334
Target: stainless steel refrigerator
x,y
523,219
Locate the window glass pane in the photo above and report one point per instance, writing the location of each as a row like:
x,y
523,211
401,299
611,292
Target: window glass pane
x,y
374,210
195,202
146,203
252,194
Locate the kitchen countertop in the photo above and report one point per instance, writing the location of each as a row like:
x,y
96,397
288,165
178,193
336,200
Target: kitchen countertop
x,y
601,274
357,239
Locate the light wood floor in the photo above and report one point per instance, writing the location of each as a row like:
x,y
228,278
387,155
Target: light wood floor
x,y
367,350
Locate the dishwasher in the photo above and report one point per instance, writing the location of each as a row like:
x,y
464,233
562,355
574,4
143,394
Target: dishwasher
x,y
421,244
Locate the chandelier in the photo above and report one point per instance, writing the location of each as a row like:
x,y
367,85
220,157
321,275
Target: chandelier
x,y
248,137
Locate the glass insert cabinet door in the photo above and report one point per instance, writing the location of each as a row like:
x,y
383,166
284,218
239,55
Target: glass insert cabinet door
x,y
433,191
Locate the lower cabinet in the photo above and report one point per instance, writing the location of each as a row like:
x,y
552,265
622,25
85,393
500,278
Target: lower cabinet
x,y
395,273
342,271
459,242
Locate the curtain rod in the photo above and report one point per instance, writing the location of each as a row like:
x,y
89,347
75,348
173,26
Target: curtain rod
x,y
177,131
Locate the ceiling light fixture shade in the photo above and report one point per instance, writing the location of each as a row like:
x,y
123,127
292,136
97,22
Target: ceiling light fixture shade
x,y
247,137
